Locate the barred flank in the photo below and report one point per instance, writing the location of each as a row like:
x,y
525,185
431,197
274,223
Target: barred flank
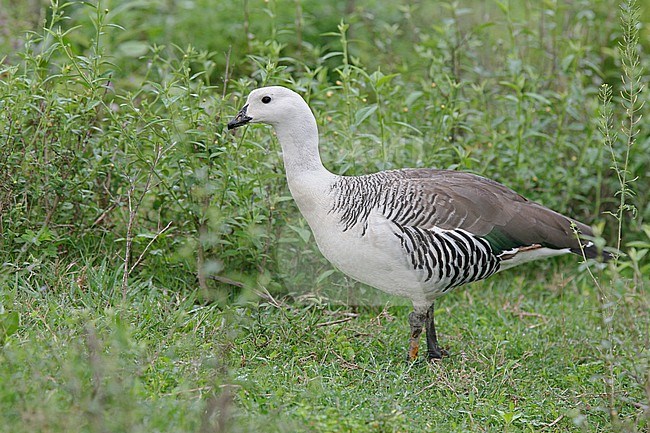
x,y
448,258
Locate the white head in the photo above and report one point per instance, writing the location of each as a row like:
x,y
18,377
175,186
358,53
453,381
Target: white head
x,y
294,124
271,105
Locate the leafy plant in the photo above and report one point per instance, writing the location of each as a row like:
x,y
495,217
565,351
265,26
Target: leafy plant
x,y
136,231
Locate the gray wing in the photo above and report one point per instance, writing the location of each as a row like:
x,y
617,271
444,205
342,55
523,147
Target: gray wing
x,y
451,200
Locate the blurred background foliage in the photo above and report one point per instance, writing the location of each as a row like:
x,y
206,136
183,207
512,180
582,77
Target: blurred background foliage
x,y
114,150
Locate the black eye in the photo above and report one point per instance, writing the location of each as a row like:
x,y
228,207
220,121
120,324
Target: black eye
x,y
266,99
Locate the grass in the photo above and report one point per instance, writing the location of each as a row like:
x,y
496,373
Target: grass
x,y
156,275
529,359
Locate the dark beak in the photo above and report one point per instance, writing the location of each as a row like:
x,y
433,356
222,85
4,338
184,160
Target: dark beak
x,y
240,119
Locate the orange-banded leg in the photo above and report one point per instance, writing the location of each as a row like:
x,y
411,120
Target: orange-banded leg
x,y
417,322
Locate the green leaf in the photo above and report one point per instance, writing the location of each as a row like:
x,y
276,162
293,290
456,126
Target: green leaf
x,y
384,79
9,324
304,233
364,113
537,97
324,275
412,97
332,54
134,48
504,7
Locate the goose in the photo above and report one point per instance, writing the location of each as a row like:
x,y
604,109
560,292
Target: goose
x,y
416,232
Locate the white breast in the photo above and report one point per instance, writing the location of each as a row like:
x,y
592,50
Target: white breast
x,y
371,255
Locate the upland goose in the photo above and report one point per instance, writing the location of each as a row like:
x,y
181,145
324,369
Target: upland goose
x,y
416,233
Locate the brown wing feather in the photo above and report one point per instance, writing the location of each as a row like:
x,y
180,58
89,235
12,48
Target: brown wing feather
x,y
487,208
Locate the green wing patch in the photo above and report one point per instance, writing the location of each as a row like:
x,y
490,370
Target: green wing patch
x,y
501,241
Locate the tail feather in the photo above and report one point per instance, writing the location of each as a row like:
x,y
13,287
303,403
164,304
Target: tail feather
x,y
591,252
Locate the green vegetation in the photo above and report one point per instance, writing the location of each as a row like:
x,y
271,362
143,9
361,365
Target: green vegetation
x,y
156,276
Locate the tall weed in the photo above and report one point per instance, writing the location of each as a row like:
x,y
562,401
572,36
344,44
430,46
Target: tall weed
x,y
113,130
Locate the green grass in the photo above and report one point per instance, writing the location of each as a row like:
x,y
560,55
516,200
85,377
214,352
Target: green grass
x,y
137,234
524,357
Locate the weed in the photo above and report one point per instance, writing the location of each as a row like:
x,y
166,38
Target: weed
x,y
135,230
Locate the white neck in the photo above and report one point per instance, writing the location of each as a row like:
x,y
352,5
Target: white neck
x,y
299,140
309,181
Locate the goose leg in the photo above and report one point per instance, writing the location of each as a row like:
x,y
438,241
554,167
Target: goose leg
x,y
433,350
416,321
